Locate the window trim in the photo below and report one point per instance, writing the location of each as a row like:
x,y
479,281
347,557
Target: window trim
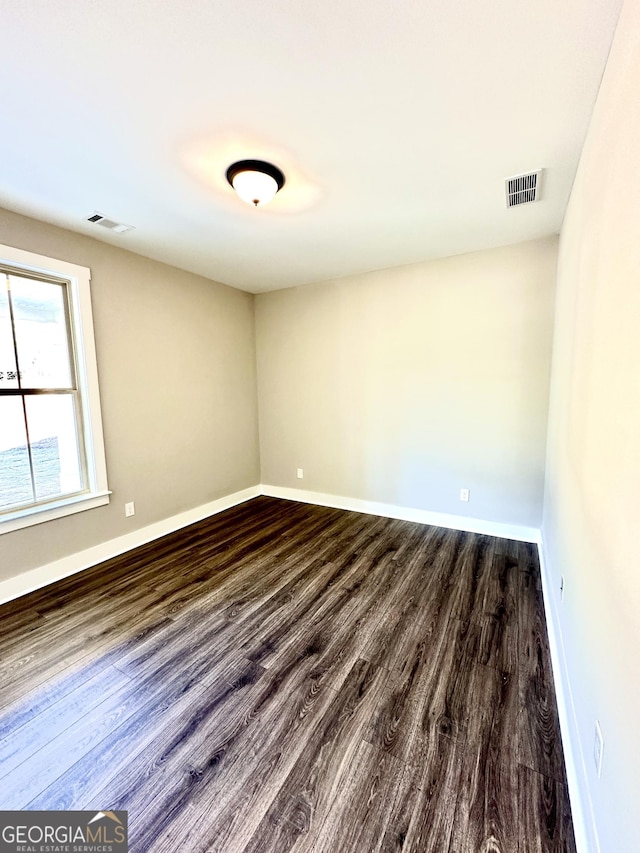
x,y
81,320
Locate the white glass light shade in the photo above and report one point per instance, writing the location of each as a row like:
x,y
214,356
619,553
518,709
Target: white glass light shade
x,y
255,187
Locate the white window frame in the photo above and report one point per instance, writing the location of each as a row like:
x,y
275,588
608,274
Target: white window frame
x,y
81,320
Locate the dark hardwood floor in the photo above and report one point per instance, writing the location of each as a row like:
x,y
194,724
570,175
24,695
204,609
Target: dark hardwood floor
x,y
285,677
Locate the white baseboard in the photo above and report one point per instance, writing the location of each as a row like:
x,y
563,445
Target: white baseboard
x,y
59,569
49,573
423,516
584,824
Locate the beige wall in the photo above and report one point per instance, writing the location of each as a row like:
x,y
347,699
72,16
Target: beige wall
x,y
592,496
176,363
404,385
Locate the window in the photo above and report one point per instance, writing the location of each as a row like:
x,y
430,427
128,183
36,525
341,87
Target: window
x,y
51,447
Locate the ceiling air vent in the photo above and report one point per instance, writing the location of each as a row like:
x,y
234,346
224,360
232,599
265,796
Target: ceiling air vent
x,y
109,224
523,188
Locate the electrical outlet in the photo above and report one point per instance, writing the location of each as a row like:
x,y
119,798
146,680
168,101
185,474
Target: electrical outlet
x,y
464,494
300,473
598,749
130,509
562,588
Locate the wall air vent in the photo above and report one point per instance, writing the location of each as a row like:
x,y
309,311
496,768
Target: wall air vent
x,y
523,189
109,224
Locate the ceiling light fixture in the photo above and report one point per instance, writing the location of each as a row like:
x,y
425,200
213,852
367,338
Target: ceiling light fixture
x,y
255,181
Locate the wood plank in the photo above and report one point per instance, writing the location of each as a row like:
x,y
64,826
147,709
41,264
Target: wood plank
x,y
546,814
293,678
303,801
539,746
423,812
21,743
230,757
487,807
471,577
498,624
136,748
30,697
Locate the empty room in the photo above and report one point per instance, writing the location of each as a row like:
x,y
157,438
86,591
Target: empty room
x,y
319,427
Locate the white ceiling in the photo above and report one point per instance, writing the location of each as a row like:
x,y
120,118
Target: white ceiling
x,y
395,124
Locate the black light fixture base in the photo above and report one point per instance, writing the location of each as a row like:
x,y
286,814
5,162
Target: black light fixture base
x,y
256,166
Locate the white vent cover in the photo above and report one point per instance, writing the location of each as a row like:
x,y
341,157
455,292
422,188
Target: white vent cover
x,y
523,189
109,224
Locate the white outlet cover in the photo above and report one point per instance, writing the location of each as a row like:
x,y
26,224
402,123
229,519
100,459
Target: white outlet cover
x,y
464,494
300,473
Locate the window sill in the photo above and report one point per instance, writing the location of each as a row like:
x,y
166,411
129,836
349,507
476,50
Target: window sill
x,y
55,509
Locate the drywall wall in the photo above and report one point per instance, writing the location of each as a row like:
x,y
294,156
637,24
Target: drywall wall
x,y
404,385
176,364
592,503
